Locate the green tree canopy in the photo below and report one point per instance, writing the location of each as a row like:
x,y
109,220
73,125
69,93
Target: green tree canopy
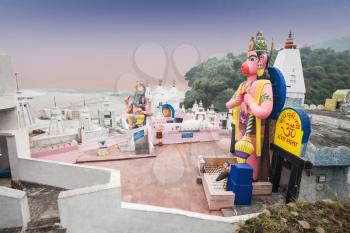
x,y
212,81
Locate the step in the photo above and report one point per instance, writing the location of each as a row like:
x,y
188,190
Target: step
x,y
53,228
43,221
46,230
11,230
49,225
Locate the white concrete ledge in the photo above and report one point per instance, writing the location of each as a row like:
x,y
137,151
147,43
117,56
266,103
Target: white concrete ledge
x,y
114,182
8,102
158,209
11,193
84,191
14,209
62,175
6,133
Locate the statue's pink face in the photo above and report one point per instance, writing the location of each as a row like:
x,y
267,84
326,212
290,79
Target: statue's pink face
x,y
250,66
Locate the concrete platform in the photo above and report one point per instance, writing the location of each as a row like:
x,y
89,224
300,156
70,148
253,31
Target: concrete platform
x,y
325,135
330,139
329,129
169,179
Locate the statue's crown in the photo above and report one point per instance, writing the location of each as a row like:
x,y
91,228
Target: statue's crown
x,y
258,43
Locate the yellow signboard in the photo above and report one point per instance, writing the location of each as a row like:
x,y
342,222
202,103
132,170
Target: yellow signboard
x,y
289,133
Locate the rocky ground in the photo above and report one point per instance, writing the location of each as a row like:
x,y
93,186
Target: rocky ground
x,y
320,217
258,204
43,208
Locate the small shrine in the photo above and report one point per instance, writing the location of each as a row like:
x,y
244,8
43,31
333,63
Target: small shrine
x,y
200,114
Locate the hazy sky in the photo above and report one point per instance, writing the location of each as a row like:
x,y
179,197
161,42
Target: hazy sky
x,y
92,43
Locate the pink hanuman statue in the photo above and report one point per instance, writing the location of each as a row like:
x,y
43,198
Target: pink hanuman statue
x,y
252,104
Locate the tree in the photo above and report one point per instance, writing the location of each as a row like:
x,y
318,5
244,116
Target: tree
x,y
213,82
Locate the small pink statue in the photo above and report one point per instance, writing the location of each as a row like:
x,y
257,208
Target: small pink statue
x,y
252,104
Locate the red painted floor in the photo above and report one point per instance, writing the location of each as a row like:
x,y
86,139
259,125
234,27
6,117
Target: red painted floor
x,y
168,180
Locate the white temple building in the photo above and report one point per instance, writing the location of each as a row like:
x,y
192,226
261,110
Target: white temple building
x,y
288,61
162,95
91,130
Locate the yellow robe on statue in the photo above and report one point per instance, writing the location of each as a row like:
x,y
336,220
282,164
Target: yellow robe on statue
x,y
257,94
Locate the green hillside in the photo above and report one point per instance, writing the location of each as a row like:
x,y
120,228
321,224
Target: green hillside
x,y
338,44
324,71
215,80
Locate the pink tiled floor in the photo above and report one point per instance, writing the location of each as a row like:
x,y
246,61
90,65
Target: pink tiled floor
x,y
168,180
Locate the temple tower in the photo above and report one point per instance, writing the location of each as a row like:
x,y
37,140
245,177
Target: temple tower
x,y
85,118
211,115
148,94
25,114
173,89
288,61
56,124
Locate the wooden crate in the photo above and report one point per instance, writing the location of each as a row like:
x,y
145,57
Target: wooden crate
x,y
213,169
262,188
218,160
213,164
216,194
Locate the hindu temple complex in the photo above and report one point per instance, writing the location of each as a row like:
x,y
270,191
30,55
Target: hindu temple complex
x,y
141,162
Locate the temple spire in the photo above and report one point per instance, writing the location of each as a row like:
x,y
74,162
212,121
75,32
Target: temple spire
x,y
16,76
289,44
